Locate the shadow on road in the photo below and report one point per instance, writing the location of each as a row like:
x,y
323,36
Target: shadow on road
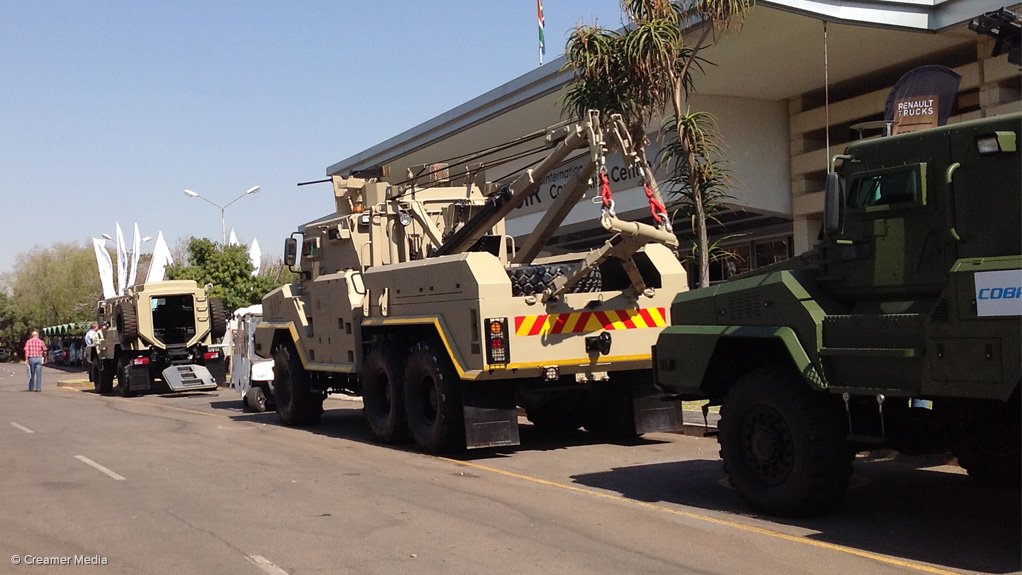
x,y
906,507
346,422
895,507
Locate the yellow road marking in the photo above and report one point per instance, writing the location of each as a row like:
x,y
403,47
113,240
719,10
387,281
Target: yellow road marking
x,y
714,520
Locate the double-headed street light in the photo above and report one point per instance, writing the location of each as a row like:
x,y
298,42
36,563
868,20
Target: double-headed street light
x,y
223,223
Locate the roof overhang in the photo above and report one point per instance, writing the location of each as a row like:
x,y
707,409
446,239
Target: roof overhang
x,y
778,54
921,15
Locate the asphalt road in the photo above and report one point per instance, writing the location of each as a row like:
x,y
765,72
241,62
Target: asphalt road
x,y
190,484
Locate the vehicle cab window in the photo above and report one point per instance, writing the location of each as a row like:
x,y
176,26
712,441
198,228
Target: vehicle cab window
x,y
898,187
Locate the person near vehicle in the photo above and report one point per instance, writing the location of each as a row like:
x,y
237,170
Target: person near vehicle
x,y
35,352
90,336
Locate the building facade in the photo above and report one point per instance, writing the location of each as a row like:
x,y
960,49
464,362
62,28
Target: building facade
x,y
789,90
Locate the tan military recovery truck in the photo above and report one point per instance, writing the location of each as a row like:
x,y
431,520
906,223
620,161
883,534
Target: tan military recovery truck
x,y
412,296
159,331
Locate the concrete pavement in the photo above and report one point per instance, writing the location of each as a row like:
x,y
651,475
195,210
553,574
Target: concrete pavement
x,y
190,484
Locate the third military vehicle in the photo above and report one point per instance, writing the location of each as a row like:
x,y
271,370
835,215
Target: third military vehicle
x,y
413,296
161,330
899,329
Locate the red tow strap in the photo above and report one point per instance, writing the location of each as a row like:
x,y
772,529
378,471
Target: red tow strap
x,y
605,193
656,207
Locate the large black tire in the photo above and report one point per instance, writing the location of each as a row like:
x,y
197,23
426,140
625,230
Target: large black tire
x,y
106,376
382,380
433,400
123,377
297,405
126,320
784,445
102,379
610,414
217,318
533,280
992,453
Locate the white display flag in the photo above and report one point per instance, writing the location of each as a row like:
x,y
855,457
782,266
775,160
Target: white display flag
x,y
136,246
122,261
256,256
233,241
106,270
160,260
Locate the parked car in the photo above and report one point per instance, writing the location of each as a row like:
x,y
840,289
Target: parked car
x,y
58,354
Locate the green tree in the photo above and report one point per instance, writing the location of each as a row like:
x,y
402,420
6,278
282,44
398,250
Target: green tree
x,y
648,68
228,269
8,317
53,285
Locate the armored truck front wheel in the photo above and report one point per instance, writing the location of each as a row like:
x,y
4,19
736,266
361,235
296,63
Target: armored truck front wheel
x,y
102,376
783,444
297,404
383,391
433,400
992,452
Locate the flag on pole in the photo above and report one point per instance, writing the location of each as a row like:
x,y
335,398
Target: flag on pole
x,y
160,260
234,239
122,261
255,255
106,268
542,24
136,247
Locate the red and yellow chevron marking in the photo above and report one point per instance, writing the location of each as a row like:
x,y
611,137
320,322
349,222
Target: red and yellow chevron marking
x,y
590,321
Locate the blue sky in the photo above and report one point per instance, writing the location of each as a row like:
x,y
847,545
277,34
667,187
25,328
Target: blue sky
x,y
109,110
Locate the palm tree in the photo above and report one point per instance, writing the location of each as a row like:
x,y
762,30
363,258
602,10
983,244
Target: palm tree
x,y
647,67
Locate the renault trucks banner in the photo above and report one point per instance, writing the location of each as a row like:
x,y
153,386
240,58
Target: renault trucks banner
x,y
922,98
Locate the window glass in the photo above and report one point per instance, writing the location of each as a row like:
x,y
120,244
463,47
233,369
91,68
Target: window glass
x,y
772,252
885,189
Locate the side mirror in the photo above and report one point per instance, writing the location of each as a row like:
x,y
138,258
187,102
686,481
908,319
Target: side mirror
x,y
290,252
833,202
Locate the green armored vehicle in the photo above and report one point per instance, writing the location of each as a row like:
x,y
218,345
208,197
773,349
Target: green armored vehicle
x,y
899,329
162,330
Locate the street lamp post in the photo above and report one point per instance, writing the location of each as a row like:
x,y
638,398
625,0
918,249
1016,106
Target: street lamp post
x,y
223,208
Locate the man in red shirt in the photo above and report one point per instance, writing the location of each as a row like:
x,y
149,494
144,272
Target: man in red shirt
x,y
35,352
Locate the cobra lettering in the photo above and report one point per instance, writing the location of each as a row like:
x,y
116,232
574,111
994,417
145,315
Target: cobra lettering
x,y
1001,293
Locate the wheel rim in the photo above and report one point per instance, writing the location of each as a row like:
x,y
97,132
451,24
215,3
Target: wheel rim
x,y
768,449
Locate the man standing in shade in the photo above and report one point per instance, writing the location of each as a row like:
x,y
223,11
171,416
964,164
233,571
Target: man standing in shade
x,y
35,351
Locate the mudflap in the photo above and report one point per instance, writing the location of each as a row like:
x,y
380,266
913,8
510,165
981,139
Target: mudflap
x,y
218,369
491,416
652,413
138,378
189,378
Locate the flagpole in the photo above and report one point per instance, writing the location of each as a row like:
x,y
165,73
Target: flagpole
x,y
540,20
